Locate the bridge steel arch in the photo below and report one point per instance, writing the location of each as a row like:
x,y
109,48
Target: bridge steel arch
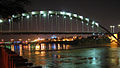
x,y
48,21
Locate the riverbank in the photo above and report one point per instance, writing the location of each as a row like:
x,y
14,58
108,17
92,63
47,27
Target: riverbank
x,y
92,42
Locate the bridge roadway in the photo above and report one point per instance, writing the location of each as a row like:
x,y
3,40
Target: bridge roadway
x,y
3,33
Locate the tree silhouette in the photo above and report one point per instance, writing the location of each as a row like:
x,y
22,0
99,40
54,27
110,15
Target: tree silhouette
x,y
10,7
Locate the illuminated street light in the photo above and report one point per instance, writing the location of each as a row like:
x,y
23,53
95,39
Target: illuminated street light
x,y
63,13
93,22
87,19
69,14
75,15
44,15
64,16
33,13
13,16
112,29
97,24
28,17
81,17
9,20
23,14
119,25
70,18
50,12
42,12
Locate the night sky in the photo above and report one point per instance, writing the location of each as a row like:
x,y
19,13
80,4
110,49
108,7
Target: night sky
x,y
107,12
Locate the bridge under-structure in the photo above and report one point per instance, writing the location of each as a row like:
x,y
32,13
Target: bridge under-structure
x,y
49,22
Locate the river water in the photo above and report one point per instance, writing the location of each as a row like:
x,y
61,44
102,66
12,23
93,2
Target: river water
x,y
65,56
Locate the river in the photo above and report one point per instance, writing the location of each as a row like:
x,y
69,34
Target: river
x,y
65,56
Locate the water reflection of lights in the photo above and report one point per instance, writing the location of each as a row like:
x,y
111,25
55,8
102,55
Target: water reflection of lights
x,y
20,49
12,47
59,47
94,60
50,47
42,53
43,46
67,46
37,52
29,47
54,46
114,45
25,46
37,47
59,56
64,46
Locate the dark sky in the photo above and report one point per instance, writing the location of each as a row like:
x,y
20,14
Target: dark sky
x,y
107,12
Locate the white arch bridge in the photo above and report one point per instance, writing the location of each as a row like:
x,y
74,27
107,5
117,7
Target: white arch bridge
x,y
49,22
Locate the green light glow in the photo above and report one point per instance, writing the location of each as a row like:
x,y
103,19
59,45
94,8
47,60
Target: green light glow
x,y
1,20
75,15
